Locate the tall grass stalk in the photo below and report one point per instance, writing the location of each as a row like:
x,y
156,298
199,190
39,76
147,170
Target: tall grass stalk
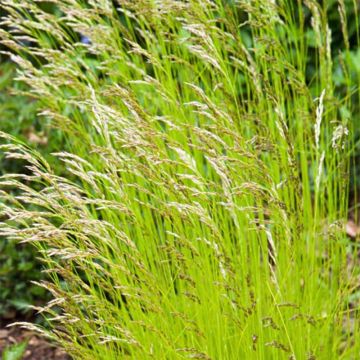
x,y
203,212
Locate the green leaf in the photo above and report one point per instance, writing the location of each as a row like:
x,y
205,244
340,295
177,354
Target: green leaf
x,y
20,304
26,266
15,352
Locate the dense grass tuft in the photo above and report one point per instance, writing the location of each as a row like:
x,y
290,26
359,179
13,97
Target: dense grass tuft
x,y
204,212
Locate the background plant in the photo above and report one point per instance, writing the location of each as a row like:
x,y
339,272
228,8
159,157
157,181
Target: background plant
x,y
18,116
18,264
211,167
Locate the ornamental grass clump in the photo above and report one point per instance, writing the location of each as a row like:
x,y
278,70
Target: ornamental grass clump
x,y
202,213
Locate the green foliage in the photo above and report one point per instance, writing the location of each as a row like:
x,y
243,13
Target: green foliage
x,y
17,112
15,352
209,160
18,263
18,268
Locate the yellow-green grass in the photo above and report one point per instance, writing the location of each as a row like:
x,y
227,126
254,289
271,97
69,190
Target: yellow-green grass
x,y
206,218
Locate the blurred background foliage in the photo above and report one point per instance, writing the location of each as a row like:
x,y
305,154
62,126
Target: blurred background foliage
x,y
19,117
18,262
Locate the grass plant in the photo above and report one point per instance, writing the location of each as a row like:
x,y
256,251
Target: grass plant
x,y
204,214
